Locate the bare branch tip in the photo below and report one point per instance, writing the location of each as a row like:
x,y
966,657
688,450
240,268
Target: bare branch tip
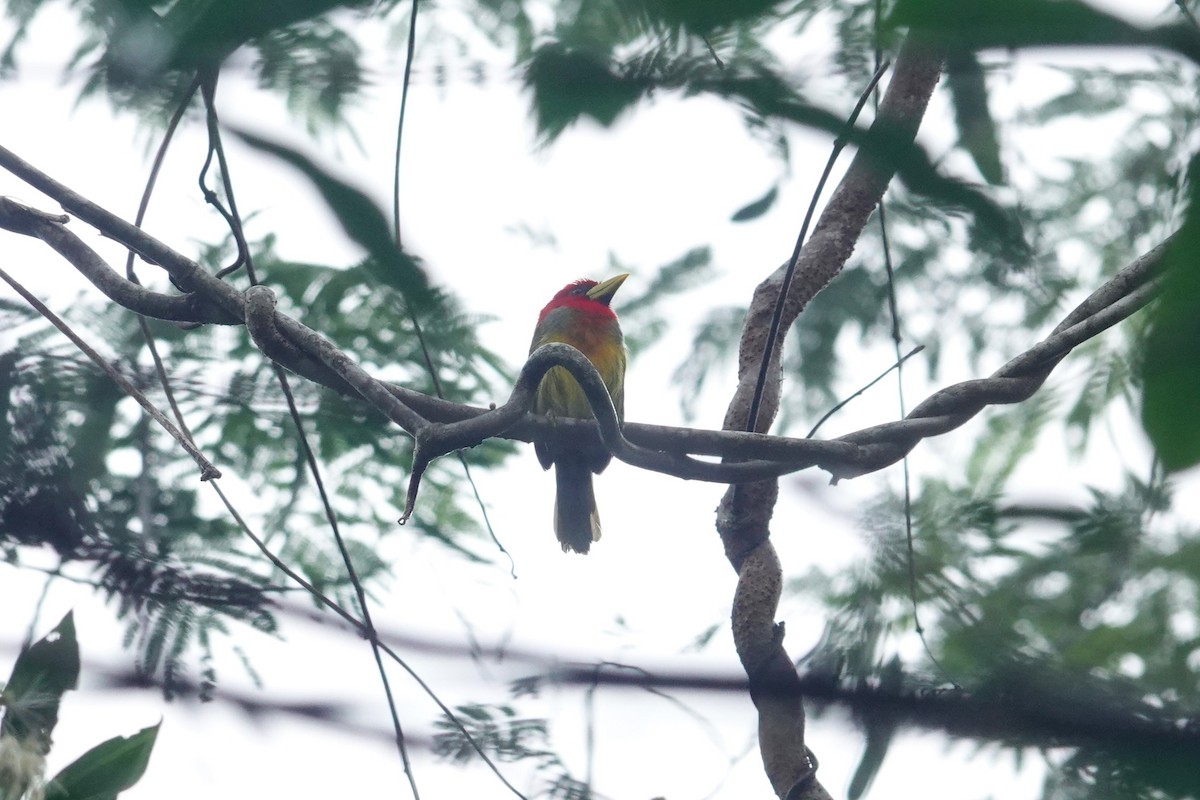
x,y
414,486
806,778
10,206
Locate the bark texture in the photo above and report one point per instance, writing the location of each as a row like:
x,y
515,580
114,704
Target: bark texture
x,y
744,515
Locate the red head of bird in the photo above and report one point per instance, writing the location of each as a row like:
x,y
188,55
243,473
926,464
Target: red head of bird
x,y
579,315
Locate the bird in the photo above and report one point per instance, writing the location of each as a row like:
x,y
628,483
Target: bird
x,y
579,315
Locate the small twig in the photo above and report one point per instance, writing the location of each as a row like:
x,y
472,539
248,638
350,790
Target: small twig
x,y
57,572
245,258
416,323
355,580
897,340
842,403
713,53
52,230
31,631
364,631
408,62
487,520
207,470
208,88
777,318
144,205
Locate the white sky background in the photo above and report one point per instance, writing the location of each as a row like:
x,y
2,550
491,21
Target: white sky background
x,y
472,174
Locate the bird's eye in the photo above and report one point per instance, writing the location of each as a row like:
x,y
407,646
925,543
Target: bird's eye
x,y
580,290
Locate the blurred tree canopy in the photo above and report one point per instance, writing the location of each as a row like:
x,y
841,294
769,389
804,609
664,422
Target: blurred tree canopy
x,y
1089,608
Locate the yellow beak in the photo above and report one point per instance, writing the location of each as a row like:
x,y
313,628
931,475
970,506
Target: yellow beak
x,y
604,291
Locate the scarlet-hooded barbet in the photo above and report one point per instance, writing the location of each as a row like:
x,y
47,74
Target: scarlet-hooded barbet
x,y
579,315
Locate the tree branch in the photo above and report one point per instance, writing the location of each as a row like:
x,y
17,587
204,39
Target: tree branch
x,y
667,449
744,514
52,230
1027,706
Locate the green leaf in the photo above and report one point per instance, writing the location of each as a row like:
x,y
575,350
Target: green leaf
x,y
976,129
362,220
756,209
8,382
978,24
1171,364
1014,23
91,438
880,731
569,83
106,770
42,674
702,16
206,31
316,66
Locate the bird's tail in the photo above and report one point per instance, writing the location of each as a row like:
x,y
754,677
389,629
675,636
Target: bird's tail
x,y
576,520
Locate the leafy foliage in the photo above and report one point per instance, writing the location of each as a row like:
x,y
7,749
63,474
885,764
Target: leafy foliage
x,y
42,674
501,731
756,208
1172,365
143,54
141,536
106,770
976,129
978,24
1081,611
363,222
710,345
643,313
317,67
570,83
178,575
